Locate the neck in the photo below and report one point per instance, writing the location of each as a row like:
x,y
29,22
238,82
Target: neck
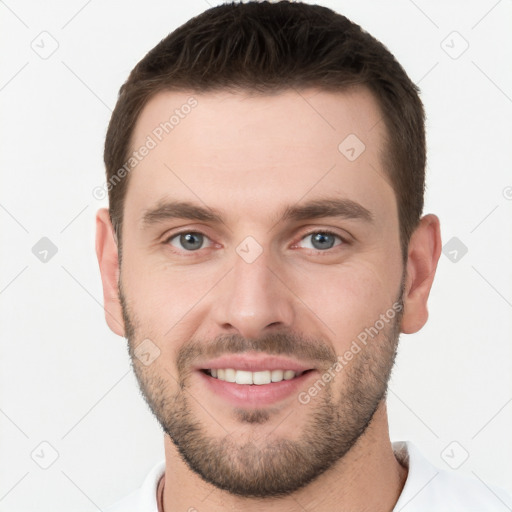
x,y
368,477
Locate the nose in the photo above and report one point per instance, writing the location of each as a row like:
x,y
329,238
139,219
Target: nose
x,y
254,299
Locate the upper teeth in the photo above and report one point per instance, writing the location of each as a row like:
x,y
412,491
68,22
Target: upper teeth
x,y
246,377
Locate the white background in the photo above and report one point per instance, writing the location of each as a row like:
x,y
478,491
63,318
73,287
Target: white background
x,y
65,378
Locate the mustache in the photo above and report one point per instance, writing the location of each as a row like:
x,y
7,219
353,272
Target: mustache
x,y
284,344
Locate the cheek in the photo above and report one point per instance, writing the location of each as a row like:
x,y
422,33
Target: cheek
x,y
347,299
158,290
340,299
168,303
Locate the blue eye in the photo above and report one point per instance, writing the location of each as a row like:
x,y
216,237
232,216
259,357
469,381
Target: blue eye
x,y
190,240
323,240
193,241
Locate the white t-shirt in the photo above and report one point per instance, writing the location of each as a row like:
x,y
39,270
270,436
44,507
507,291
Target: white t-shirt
x,y
427,489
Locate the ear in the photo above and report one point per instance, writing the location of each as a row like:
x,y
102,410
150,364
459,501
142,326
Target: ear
x,y
423,254
106,251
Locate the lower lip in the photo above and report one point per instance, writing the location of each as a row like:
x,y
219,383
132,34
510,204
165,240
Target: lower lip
x,y
253,394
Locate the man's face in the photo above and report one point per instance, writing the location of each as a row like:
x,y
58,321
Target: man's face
x,y
265,284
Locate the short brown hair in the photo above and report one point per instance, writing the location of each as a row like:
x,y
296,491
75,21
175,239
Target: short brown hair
x,y
267,47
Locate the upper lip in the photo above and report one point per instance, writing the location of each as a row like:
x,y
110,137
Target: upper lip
x,y
254,363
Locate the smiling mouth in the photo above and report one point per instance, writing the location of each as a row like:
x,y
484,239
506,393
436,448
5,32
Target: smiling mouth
x,y
258,378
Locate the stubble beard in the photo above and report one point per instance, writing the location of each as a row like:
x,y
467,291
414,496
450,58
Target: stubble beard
x,y
271,466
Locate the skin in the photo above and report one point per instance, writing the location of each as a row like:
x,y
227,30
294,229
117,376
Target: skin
x,y
234,153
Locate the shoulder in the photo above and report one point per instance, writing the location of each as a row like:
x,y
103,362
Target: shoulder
x,y
144,498
429,488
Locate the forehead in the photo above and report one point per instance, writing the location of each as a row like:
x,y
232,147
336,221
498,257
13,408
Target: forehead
x,y
233,149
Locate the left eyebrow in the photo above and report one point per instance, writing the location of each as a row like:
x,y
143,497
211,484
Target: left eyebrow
x,y
315,209
344,208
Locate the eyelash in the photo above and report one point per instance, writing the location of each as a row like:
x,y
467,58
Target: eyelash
x,y
314,232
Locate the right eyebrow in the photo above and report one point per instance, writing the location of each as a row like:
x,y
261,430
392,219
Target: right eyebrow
x,y
179,210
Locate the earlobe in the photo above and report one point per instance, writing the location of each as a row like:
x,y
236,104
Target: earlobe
x,y
423,255
106,252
